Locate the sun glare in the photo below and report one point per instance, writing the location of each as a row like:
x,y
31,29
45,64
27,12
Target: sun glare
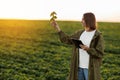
x,y
66,9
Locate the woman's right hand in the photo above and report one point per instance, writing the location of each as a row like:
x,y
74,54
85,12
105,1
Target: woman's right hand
x,y
56,26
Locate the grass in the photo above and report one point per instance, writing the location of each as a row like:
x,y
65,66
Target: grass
x,y
31,50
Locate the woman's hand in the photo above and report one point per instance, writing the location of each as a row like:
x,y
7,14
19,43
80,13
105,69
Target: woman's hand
x,y
84,47
56,26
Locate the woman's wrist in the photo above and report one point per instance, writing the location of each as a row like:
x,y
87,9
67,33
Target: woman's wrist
x,y
58,28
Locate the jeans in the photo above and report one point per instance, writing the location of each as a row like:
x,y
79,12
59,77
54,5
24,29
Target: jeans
x,y
82,74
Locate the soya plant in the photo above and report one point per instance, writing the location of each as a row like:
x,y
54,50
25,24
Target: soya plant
x,y
53,16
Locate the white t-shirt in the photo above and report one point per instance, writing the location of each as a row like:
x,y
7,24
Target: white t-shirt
x,y
86,38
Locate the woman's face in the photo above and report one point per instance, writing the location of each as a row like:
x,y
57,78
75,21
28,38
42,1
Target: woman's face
x,y
83,22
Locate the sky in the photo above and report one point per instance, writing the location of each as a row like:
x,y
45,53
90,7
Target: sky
x,y
104,10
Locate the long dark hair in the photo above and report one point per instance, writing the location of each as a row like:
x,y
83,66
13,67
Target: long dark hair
x,y
90,20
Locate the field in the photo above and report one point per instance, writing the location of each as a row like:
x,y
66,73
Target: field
x,y
31,50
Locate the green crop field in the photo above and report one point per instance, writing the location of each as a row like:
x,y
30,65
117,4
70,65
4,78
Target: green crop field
x,y
31,50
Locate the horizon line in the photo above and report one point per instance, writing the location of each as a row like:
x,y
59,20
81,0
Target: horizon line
x,y
56,20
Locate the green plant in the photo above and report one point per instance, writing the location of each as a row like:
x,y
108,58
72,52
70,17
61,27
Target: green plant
x,y
29,51
53,16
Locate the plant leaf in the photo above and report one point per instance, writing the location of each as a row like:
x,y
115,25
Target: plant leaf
x,y
52,19
53,13
55,17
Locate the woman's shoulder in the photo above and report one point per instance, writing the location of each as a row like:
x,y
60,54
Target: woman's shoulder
x,y
98,32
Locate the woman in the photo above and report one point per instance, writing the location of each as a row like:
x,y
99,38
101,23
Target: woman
x,y
86,61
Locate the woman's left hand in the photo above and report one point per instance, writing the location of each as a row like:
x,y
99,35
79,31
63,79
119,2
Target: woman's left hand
x,y
84,47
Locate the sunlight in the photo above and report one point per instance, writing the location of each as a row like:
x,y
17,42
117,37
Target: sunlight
x,y
66,9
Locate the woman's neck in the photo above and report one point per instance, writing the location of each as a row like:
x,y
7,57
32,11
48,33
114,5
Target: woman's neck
x,y
88,29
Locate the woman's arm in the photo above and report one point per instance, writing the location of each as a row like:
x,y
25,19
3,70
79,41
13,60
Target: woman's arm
x,y
64,37
56,26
